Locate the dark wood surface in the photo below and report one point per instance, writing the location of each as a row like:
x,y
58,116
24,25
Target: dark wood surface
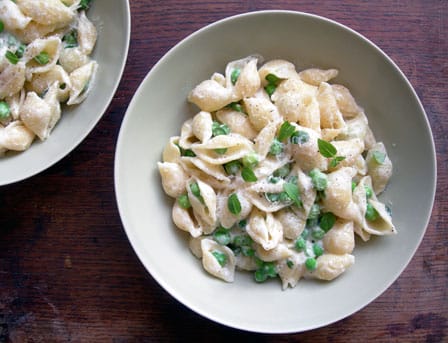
x,y
68,272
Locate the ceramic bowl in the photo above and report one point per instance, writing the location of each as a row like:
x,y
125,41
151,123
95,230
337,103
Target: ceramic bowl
x,y
113,26
158,109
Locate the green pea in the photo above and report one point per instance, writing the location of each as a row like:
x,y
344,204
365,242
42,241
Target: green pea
x,y
311,263
222,236
219,129
369,192
4,110
236,107
183,201
371,213
305,233
300,244
250,160
283,171
318,233
247,251
276,147
318,179
314,211
317,249
220,257
242,240
272,197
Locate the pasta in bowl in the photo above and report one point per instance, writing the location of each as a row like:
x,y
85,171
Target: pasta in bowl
x,y
52,56
276,173
162,126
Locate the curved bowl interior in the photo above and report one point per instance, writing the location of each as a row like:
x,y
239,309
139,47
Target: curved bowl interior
x,y
113,26
159,108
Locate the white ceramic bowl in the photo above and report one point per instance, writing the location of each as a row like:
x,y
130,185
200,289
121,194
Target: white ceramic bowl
x,y
157,111
113,25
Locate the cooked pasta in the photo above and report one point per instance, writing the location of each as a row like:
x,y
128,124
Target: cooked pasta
x,y
45,62
276,174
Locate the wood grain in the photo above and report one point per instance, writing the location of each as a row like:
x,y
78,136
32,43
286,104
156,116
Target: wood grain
x,y
68,272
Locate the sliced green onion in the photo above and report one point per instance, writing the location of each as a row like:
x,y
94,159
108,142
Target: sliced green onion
x,y
220,257
318,179
248,175
233,204
327,221
4,110
43,58
183,201
222,236
326,149
235,74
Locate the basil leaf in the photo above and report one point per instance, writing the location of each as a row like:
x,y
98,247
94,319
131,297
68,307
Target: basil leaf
x,y
286,130
248,175
327,221
293,192
233,204
335,161
326,149
12,57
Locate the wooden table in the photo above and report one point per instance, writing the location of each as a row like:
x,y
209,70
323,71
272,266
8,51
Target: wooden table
x,y
68,272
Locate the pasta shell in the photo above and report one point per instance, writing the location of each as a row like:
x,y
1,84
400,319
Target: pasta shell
x,y
202,126
173,178
315,76
264,229
330,266
185,221
82,82
12,17
15,137
210,96
340,239
211,264
280,68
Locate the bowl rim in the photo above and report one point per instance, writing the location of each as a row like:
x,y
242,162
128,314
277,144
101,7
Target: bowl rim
x,y
133,237
58,157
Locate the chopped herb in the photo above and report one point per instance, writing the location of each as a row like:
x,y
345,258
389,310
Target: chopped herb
x,y
20,50
43,58
12,57
327,221
336,160
2,26
293,192
233,204
270,89
250,160
290,264
271,78
326,149
286,130
221,151
248,175
70,39
235,74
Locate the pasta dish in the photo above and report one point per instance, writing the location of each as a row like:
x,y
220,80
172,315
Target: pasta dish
x,y
45,48
276,173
